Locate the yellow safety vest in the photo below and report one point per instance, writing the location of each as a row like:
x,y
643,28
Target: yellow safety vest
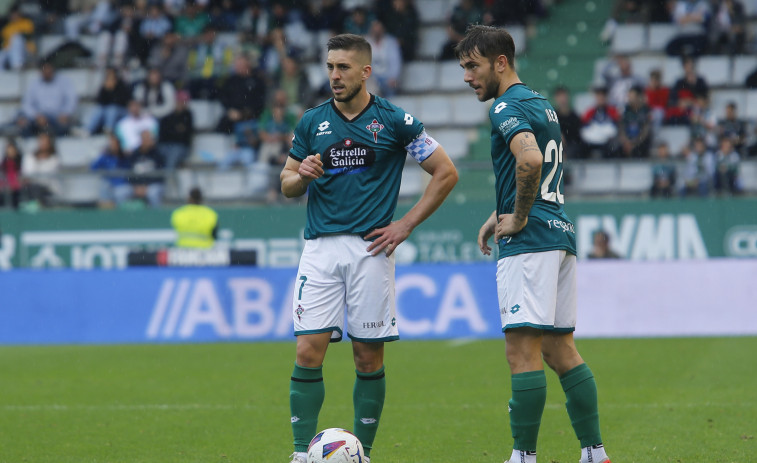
x,y
194,225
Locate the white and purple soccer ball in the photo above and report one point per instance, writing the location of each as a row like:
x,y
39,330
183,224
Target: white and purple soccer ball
x,y
335,445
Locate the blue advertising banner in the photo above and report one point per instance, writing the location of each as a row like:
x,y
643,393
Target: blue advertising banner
x,y
223,304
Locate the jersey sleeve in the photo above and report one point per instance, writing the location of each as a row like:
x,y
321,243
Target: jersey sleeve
x,y
301,141
412,135
509,119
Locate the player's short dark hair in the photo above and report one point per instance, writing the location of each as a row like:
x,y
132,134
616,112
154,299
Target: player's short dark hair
x,y
350,42
195,195
487,41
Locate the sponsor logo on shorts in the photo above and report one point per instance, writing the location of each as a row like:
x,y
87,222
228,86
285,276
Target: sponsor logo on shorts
x,y
394,321
515,309
379,324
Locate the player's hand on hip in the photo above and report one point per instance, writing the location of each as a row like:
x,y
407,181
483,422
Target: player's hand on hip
x,y
311,168
507,226
387,238
484,234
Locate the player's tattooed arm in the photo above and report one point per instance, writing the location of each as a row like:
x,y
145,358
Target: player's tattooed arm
x,y
528,162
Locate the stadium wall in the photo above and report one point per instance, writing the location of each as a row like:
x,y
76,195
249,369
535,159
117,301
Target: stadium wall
x,y
434,301
639,231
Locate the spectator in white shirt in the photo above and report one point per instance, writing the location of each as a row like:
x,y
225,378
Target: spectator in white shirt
x,y
129,129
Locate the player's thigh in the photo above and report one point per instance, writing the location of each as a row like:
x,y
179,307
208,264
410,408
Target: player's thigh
x,y
527,290
318,300
371,305
565,310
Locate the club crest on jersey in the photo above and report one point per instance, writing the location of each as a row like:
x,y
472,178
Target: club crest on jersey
x,y
375,127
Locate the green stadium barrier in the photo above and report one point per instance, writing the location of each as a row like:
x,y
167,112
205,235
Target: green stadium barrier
x,y
639,230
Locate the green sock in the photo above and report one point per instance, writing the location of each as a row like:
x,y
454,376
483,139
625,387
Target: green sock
x,y
306,393
581,392
526,408
368,397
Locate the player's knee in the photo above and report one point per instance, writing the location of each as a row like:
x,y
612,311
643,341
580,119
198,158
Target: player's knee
x,y
308,356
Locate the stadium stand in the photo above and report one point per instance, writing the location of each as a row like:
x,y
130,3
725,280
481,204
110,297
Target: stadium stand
x,y
561,48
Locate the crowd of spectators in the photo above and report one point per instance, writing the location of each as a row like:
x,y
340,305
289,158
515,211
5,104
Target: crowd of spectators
x,y
156,56
630,109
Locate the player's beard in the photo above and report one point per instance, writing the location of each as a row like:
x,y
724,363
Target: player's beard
x,y
349,93
491,89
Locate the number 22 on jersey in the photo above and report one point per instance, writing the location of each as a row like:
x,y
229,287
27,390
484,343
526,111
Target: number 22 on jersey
x,y
553,154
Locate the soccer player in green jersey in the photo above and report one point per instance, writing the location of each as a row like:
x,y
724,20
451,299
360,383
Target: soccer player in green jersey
x,y
348,154
536,279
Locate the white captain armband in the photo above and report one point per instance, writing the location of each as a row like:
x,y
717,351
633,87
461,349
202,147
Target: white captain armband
x,y
422,147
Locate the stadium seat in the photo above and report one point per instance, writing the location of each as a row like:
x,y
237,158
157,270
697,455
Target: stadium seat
x,y
435,111
635,178
467,111
659,36
455,142
750,7
595,177
8,112
599,67
179,184
748,176
83,80
518,33
582,102
419,76
431,39
629,38
677,137
412,180
10,85
317,76
210,147
742,67
672,70
433,11
643,65
223,185
75,152
451,77
751,104
720,98
80,189
206,114
715,69
49,42
409,103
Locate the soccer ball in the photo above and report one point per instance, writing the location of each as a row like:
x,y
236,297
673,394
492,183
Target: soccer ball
x,y
335,445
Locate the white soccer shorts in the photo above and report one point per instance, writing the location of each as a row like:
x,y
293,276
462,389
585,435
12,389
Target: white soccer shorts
x,y
538,290
337,276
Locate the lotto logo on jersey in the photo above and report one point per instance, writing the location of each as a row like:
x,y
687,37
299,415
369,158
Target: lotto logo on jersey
x,y
348,157
323,129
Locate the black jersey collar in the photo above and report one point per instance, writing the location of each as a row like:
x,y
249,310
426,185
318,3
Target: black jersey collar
x,y
344,118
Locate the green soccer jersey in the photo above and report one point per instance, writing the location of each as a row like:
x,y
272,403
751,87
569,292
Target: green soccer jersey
x,y
362,160
521,109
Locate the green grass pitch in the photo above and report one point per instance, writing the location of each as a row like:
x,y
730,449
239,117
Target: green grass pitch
x,y
661,400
